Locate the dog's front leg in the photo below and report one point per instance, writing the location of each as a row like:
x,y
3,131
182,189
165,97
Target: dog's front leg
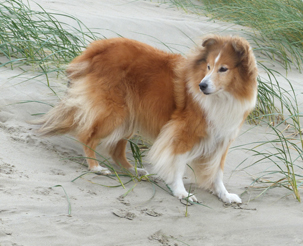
x,y
177,185
170,154
220,190
219,187
171,169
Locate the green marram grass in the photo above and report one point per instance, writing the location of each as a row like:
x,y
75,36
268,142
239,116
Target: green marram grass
x,y
276,25
37,38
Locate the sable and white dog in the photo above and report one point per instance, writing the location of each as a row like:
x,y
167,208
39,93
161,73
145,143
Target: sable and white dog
x,y
192,107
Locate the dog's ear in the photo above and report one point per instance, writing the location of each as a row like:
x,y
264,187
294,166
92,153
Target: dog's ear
x,y
240,47
209,41
244,56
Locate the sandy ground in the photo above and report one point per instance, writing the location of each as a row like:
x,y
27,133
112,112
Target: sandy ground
x,y
35,173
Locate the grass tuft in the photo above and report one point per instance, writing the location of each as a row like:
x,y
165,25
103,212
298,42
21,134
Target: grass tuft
x,y
282,155
38,38
276,25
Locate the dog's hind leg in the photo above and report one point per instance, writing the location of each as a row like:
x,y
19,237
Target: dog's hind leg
x,y
89,146
117,153
91,137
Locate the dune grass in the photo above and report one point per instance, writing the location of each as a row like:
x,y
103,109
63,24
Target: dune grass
x,y
276,25
39,40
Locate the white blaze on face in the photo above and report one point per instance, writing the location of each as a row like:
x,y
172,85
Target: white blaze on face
x,y
206,85
217,59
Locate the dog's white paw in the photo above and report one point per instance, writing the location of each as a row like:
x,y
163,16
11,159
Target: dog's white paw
x,y
230,198
220,190
140,171
100,170
185,195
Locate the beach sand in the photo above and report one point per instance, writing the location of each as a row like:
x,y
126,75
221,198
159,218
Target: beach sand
x,y
36,173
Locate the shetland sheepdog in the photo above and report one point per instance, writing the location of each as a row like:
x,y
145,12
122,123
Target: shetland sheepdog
x,y
191,107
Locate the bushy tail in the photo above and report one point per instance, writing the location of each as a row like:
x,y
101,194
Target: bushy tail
x,y
75,109
59,120
62,118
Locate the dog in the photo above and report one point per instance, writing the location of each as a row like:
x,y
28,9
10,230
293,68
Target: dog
x,y
191,107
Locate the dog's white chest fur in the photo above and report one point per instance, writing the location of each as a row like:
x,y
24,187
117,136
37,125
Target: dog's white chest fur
x,y
224,116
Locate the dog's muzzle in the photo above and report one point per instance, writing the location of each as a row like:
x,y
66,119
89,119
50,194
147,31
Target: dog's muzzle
x,y
203,87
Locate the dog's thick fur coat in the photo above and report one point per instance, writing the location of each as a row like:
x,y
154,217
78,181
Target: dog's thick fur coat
x,y
191,107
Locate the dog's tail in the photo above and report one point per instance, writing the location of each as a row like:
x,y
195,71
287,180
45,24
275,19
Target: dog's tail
x,y
59,120
68,114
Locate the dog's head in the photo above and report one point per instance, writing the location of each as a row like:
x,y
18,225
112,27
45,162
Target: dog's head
x,y
225,64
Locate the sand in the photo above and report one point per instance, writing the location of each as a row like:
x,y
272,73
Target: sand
x,y
36,172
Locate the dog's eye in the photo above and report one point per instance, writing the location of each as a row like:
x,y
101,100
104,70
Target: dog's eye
x,y
223,69
208,67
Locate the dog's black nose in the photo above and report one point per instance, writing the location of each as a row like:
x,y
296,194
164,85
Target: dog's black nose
x,y
203,86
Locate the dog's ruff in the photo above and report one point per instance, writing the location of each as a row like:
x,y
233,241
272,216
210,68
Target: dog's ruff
x,y
191,107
